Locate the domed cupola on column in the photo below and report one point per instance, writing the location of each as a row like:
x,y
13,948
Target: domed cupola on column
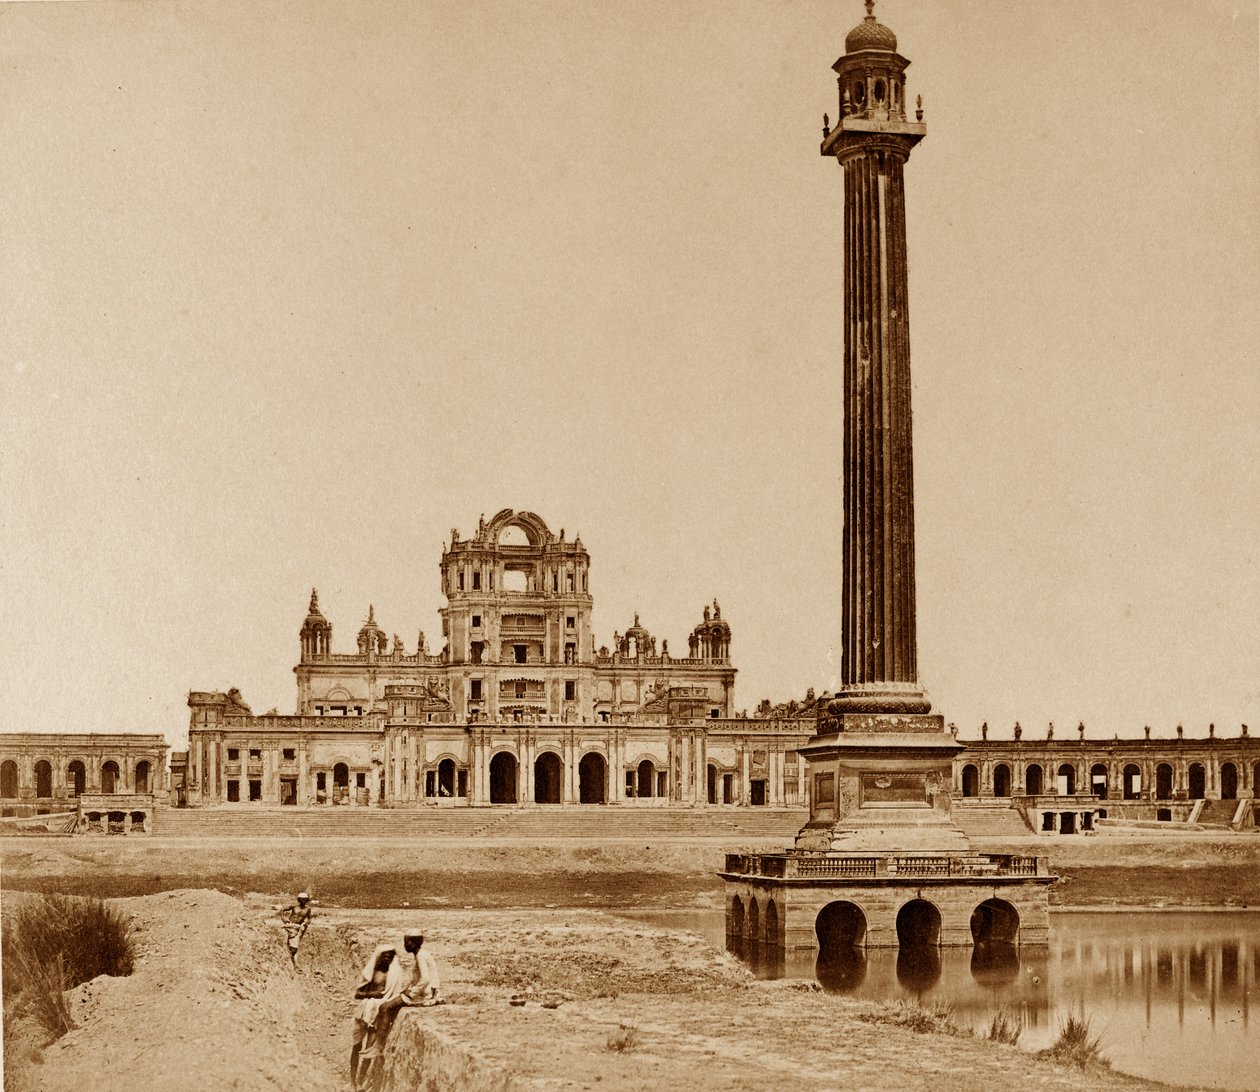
x,y
871,75
316,632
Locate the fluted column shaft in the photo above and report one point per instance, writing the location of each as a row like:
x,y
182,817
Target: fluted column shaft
x,y
879,669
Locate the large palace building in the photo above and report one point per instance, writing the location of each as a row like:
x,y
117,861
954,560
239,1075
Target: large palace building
x,y
519,706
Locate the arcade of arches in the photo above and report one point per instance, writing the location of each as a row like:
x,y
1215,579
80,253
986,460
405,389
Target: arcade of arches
x,y
47,773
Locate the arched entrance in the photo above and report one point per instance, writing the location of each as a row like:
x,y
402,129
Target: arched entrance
x,y
142,776
503,778
1033,783
1198,781
592,779
1001,779
9,780
646,779
1229,781
970,780
1067,779
918,925
841,926
1163,781
995,921
1098,780
76,774
1132,781
341,783
109,776
548,770
43,779
446,777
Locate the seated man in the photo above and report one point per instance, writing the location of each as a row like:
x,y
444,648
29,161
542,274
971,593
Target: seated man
x,y
390,980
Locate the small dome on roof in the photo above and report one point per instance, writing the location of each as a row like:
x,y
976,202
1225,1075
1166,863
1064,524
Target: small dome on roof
x,y
870,34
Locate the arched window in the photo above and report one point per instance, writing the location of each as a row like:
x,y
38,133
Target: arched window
x,y
1033,780
9,780
1229,781
1198,781
1001,779
970,780
1067,779
1163,781
1098,780
646,781
109,776
142,776
1132,781
43,779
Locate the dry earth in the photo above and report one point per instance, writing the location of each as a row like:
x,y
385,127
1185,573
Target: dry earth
x,y
212,1002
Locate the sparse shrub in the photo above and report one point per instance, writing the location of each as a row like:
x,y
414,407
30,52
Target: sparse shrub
x,y
624,1040
1004,1028
937,1017
53,943
1076,1045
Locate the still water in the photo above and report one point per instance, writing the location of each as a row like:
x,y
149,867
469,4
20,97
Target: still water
x,y
1170,993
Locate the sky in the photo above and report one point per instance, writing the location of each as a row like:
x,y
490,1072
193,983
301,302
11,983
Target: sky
x,y
293,288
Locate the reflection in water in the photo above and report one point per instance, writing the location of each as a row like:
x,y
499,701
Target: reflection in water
x,y
994,965
918,968
1170,992
842,971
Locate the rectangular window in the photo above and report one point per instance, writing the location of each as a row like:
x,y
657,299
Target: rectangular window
x,y
474,690
476,621
360,781
234,792
555,582
629,783
234,755
476,581
570,653
321,781
713,714
430,783
255,790
255,753
290,753
568,582
462,783
461,581
518,651
570,690
570,622
520,689
662,789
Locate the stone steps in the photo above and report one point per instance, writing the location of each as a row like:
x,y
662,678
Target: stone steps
x,y
493,822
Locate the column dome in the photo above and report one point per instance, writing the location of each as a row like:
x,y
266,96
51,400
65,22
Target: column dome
x,y
870,34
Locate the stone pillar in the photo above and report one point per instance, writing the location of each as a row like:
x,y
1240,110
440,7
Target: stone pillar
x,y
744,795
414,776
879,670
303,786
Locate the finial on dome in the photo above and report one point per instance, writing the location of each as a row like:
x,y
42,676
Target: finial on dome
x,y
371,615
314,601
870,9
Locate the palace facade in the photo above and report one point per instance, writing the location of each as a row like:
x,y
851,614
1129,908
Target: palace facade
x,y
519,706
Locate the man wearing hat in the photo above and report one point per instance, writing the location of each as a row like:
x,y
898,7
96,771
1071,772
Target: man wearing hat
x,y
296,919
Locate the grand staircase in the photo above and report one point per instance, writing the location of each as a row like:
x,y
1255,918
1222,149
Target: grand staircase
x,y
983,819
539,822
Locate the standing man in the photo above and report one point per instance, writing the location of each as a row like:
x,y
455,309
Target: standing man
x,y
296,920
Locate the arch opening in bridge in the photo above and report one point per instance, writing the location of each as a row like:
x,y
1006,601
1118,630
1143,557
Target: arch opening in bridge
x,y
918,925
503,778
592,779
548,771
841,927
970,780
995,921
994,965
1001,779
1033,780
772,924
1163,781
1098,780
735,921
754,923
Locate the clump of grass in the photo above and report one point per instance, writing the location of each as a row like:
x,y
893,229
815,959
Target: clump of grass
x,y
1076,1045
623,1040
938,1017
1004,1028
53,943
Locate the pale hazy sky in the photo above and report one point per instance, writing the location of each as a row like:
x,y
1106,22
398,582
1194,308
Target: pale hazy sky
x,y
291,289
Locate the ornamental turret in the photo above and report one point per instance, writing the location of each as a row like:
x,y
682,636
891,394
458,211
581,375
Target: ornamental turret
x,y
316,632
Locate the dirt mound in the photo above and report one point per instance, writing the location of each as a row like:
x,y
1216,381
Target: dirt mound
x,y
212,1001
